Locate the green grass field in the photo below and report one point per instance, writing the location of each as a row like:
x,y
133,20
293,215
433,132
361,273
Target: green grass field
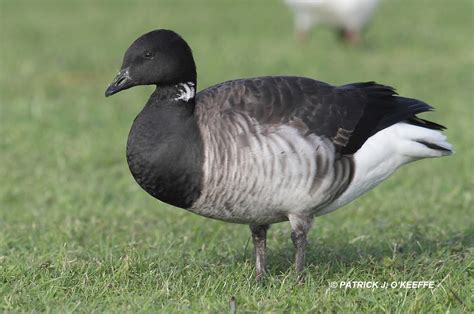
x,y
78,234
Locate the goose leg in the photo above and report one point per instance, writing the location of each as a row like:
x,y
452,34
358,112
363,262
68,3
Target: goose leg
x,y
259,237
300,226
350,37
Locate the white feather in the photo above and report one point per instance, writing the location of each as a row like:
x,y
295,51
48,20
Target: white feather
x,y
186,91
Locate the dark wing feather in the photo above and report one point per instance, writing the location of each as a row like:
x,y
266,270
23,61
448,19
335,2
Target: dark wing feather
x,y
347,114
382,109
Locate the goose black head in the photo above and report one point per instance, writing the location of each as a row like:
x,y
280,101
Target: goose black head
x,y
160,57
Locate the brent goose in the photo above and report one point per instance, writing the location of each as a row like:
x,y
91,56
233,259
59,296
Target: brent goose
x,y
264,150
347,16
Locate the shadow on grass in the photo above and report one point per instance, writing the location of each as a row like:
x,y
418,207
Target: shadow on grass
x,y
337,254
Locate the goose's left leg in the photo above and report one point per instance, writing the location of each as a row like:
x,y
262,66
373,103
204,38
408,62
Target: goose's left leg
x,y
300,226
259,237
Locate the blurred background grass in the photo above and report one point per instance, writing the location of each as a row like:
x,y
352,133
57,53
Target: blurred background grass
x,y
76,232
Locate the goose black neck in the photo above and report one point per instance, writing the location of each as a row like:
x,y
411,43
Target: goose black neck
x,y
165,150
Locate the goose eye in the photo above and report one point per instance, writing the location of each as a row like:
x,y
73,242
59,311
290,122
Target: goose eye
x,y
148,55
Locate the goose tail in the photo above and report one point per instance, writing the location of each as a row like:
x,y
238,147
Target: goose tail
x,y
386,151
422,141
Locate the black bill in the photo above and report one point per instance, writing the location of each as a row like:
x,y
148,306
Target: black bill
x,y
121,81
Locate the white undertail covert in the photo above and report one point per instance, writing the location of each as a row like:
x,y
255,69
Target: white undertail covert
x,y
385,152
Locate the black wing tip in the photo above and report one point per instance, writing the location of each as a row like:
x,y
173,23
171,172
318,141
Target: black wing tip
x,y
372,87
426,123
384,108
413,102
417,106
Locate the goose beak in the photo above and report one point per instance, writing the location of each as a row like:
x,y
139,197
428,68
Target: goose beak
x,y
121,81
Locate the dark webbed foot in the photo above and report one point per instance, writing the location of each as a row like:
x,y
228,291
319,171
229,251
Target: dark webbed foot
x,y
300,226
259,237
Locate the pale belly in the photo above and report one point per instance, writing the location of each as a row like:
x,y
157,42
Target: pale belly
x,y
268,176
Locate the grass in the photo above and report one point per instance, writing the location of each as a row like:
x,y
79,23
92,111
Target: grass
x,y
77,234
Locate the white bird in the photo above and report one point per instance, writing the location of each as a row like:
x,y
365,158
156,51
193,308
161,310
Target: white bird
x,y
349,17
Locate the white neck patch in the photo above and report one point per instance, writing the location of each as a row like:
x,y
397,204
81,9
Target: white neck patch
x,y
186,91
